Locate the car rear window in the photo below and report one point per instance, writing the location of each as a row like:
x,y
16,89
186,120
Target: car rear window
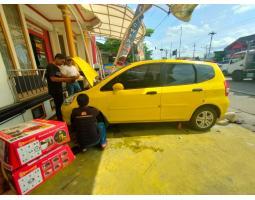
x,y
204,73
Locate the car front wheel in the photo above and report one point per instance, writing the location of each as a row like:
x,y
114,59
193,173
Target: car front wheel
x,y
203,118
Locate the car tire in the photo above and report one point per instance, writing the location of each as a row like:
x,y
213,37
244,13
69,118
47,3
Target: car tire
x,y
237,75
203,118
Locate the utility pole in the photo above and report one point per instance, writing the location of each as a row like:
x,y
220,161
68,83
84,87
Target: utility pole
x,y
205,55
194,50
161,50
166,52
171,51
212,34
180,43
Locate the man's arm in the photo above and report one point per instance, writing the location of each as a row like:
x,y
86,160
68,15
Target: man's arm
x,y
94,111
62,79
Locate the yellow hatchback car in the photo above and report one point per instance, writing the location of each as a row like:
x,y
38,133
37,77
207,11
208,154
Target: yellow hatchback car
x,y
158,91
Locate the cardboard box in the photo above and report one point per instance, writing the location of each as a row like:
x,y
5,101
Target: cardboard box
x,y
33,174
25,142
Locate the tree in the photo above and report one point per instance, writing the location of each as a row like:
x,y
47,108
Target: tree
x,y
111,46
147,53
149,32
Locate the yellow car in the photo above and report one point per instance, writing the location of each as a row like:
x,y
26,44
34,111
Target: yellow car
x,y
158,91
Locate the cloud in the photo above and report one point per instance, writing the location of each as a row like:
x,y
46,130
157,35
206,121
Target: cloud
x,y
238,9
188,30
222,42
191,34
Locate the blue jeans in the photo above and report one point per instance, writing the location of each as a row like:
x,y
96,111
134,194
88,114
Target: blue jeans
x,y
73,88
102,130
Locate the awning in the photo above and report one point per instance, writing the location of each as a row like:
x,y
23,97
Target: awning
x,y
115,19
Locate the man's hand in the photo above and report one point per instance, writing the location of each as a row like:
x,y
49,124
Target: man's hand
x,y
72,79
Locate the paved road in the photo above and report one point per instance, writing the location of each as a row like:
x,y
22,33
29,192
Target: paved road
x,y
242,101
246,86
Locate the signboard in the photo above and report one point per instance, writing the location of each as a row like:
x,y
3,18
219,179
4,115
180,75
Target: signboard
x,y
131,35
140,50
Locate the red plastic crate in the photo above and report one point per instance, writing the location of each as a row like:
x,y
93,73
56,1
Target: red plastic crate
x,y
25,142
33,174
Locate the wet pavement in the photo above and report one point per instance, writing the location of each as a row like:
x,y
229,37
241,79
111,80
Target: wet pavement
x,y
158,158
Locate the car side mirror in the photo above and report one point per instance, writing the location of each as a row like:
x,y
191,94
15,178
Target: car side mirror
x,y
117,87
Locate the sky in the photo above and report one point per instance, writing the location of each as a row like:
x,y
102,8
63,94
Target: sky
x,y
229,21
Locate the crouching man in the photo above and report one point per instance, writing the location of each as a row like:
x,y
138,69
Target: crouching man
x,y
89,132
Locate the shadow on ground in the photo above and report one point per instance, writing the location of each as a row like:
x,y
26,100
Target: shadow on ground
x,y
149,129
80,176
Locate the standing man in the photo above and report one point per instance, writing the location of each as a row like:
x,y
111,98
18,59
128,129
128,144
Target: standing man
x,y
54,80
69,70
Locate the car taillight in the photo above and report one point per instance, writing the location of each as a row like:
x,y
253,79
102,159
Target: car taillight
x,y
226,88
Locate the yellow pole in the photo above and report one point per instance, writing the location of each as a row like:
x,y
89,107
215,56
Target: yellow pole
x,y
68,28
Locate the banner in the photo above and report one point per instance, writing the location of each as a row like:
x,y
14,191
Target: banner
x,y
131,34
182,11
140,51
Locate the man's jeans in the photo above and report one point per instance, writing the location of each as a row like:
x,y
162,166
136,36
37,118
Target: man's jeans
x,y
73,88
102,130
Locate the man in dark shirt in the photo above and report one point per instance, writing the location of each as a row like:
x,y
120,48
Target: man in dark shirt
x,y
84,123
54,80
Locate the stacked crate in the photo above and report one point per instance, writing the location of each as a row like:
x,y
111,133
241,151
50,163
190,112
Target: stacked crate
x,y
34,151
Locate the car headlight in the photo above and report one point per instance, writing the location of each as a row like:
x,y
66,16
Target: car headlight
x,y
69,100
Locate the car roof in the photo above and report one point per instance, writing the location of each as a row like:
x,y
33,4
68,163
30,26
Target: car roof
x,y
172,61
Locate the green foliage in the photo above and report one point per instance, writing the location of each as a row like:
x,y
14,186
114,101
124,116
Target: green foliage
x,y
147,53
149,32
111,46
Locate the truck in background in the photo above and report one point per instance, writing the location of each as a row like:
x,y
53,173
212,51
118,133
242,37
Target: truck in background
x,y
241,65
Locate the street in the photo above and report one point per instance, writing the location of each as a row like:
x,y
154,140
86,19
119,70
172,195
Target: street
x,y
242,101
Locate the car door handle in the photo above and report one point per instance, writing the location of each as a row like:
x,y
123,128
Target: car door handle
x,y
151,93
197,90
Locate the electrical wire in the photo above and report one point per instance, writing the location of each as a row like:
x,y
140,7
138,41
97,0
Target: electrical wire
x,y
161,22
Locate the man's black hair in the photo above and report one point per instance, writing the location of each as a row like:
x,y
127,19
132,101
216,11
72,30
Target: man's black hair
x,y
60,56
83,100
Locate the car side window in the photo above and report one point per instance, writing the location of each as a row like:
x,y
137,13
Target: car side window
x,y
137,77
204,72
179,74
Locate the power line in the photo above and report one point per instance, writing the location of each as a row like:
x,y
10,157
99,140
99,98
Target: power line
x,y
180,43
161,22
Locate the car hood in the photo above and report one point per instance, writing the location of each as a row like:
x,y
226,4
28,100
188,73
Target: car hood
x,y
87,70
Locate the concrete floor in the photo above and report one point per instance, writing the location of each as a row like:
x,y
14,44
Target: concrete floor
x,y
159,159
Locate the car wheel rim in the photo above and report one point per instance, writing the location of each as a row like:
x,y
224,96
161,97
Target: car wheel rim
x,y
204,119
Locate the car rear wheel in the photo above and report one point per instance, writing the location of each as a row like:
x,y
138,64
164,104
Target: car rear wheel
x,y
203,118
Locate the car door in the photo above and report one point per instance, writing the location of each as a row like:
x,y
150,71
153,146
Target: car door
x,y
140,99
181,95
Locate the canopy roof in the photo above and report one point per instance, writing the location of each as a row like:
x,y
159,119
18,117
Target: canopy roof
x,y
115,19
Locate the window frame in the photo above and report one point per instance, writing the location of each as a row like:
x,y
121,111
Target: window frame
x,y
160,79
197,73
7,40
27,43
173,63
